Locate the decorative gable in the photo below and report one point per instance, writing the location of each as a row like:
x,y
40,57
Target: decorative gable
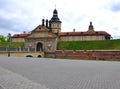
x,y
40,28
41,32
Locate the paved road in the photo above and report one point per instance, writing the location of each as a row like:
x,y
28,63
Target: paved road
x,y
58,74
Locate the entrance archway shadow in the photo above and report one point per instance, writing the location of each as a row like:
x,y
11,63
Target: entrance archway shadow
x,y
39,46
39,56
29,56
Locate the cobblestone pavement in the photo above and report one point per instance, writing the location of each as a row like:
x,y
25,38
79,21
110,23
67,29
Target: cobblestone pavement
x,y
18,72
10,80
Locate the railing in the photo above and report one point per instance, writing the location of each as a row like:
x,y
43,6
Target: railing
x,y
17,49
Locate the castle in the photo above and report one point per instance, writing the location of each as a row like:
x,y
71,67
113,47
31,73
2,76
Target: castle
x,y
44,37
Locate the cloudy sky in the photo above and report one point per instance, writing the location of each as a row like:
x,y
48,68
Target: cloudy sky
x,y
17,16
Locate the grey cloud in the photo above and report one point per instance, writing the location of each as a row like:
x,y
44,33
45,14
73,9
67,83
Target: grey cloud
x,y
3,3
9,22
115,6
80,18
13,6
6,5
17,15
4,23
14,25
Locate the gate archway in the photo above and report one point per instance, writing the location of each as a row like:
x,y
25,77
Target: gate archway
x,y
39,46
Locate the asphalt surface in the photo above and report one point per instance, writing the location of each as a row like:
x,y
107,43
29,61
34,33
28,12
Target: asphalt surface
x,y
41,73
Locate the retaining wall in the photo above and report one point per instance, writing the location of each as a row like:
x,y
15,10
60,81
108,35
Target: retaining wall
x,y
89,54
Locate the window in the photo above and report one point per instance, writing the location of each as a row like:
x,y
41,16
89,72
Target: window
x,y
53,25
58,25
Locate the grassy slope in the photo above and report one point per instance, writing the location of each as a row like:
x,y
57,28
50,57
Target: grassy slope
x,y
89,45
78,45
13,44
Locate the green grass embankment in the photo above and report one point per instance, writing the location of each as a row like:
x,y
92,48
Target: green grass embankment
x,y
77,45
89,45
12,44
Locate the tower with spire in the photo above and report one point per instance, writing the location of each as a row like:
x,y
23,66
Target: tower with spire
x,y
55,23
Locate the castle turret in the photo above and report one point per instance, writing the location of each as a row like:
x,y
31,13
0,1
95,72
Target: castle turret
x,y
55,23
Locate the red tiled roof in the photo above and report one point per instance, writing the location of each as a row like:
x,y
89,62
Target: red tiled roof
x,y
87,33
40,37
20,35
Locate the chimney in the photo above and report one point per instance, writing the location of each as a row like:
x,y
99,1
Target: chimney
x,y
50,25
43,22
47,23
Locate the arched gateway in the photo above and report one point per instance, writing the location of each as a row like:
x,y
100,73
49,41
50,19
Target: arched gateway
x,y
39,47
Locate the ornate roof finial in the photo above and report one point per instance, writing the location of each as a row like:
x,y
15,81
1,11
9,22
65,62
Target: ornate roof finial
x,y
90,22
91,26
55,6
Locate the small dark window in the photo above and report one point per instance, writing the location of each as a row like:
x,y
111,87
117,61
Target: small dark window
x,y
67,33
96,32
57,25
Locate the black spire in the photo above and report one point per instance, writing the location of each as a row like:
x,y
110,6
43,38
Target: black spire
x,y
91,26
55,16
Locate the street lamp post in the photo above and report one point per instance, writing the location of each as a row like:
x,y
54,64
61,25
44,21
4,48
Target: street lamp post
x,y
9,42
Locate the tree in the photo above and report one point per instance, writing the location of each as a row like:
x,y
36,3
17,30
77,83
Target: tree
x,y
2,38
